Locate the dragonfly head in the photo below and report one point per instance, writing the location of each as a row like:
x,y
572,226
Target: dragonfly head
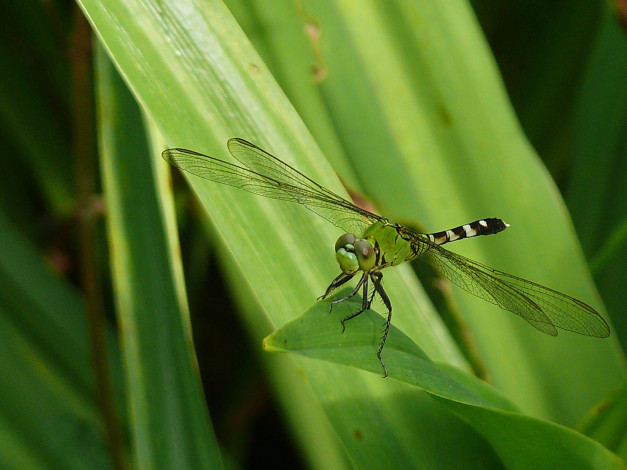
x,y
354,254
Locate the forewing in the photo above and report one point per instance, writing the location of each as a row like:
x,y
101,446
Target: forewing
x,y
542,307
268,176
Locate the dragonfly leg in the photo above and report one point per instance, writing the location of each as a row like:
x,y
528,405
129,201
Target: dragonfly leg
x,y
364,301
376,280
371,299
343,278
352,294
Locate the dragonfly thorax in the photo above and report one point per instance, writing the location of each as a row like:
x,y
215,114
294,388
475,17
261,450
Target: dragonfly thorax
x,y
354,254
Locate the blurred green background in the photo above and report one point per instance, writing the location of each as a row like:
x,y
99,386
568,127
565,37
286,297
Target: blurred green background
x,y
133,310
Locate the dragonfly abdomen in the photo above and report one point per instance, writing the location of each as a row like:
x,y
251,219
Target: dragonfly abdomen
x,y
478,227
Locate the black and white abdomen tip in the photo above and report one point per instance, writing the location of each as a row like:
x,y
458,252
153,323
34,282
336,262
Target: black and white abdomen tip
x,y
478,227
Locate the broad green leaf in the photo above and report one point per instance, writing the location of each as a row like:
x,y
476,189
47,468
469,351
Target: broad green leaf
x,y
318,334
524,442
537,444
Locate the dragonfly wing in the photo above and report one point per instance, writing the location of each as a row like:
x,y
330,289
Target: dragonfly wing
x,y
268,176
542,307
264,163
317,198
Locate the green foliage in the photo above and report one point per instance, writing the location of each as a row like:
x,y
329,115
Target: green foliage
x,y
405,101
541,444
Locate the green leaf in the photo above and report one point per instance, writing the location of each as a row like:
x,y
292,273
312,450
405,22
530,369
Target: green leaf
x,y
537,443
168,419
318,334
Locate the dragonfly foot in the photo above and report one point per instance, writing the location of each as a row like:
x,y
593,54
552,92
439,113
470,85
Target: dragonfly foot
x,y
385,369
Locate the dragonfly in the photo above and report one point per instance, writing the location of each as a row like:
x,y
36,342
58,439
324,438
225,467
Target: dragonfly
x,y
372,242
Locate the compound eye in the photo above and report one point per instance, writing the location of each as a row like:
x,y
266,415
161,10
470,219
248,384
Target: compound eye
x,y
346,240
365,254
347,261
